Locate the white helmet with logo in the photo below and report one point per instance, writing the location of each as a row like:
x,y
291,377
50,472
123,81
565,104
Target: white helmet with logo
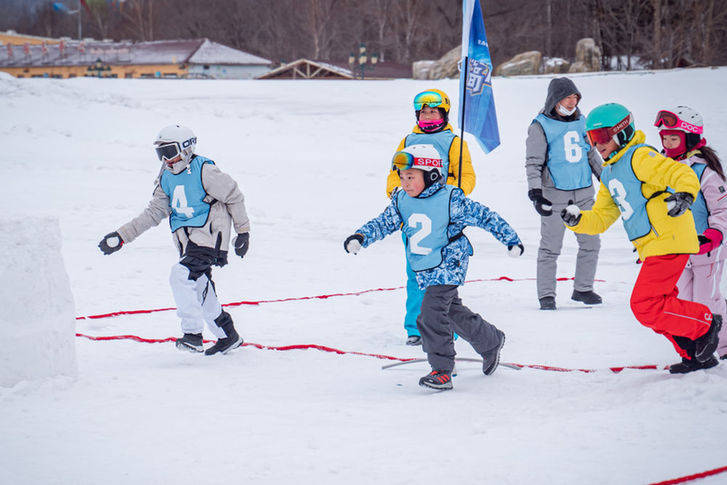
x,y
173,141
423,157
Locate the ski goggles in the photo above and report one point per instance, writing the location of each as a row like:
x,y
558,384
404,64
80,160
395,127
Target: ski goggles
x,y
429,98
605,134
168,151
405,161
671,120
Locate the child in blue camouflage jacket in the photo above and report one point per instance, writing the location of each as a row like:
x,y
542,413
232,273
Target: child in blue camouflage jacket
x,y
432,216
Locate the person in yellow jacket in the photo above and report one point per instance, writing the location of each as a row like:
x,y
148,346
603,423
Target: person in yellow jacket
x,y
431,108
652,194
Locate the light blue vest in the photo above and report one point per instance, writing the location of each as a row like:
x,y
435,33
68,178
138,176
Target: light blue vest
x,y
625,190
699,207
567,152
442,141
425,226
186,195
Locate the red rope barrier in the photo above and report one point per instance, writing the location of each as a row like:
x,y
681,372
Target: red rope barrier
x,y
322,348
300,298
333,350
689,478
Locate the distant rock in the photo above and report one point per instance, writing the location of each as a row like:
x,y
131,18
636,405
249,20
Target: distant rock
x,y
422,69
445,67
588,56
521,64
555,65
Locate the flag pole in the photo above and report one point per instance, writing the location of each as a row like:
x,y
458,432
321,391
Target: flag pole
x,y
80,7
461,124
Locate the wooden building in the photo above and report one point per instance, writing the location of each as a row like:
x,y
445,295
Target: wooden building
x,y
65,58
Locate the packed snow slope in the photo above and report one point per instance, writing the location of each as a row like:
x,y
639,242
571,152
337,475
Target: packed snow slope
x,y
312,158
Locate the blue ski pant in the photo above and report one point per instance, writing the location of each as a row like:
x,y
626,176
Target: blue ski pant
x,y
414,297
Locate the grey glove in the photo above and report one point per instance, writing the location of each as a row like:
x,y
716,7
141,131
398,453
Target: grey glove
x,y
678,203
571,215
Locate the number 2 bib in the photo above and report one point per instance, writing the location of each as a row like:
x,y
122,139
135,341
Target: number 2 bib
x,y
425,226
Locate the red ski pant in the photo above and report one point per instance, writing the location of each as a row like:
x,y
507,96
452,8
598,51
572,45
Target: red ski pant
x,y
655,304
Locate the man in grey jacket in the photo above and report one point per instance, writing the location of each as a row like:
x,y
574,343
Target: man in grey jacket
x,y
201,202
559,164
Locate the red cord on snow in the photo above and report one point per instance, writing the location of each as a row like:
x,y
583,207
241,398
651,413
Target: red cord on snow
x,y
333,350
300,298
689,478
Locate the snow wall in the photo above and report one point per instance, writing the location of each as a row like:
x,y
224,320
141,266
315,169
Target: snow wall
x,y
37,314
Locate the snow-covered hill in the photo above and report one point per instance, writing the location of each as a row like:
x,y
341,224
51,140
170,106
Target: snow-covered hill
x,y
311,158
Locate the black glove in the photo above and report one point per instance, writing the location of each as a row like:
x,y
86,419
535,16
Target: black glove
x,y
515,250
543,206
353,243
571,215
111,243
242,243
678,203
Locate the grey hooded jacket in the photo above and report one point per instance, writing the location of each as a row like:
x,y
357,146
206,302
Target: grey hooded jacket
x,y
228,207
536,145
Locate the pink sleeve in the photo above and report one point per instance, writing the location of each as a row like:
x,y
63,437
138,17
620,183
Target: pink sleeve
x,y
714,190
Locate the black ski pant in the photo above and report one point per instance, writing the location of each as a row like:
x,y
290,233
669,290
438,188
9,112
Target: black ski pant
x,y
443,314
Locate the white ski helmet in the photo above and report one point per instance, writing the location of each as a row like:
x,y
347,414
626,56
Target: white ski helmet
x,y
423,157
174,140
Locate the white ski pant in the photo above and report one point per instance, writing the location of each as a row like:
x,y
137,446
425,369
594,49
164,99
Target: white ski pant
x,y
700,283
197,301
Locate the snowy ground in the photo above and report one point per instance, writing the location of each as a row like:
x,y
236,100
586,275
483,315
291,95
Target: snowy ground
x,y
312,158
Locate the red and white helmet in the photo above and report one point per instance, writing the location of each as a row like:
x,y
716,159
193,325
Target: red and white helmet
x,y
682,118
423,157
684,122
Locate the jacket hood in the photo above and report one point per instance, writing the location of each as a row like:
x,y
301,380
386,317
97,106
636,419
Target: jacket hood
x,y
639,137
559,88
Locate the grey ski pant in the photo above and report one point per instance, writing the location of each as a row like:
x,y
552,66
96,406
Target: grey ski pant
x,y
442,314
551,242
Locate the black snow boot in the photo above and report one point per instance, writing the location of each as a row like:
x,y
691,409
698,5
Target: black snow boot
x,y
491,359
440,380
225,344
191,342
687,365
547,303
705,345
587,297
414,340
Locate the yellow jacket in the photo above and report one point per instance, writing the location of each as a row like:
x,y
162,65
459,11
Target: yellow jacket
x,y
668,235
468,173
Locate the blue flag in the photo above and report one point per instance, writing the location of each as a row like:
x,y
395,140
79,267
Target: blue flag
x,y
59,7
477,104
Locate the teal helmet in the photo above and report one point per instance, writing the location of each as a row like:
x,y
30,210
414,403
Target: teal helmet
x,y
610,121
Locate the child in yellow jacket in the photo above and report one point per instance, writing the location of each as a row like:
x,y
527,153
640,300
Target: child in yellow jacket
x,y
652,194
431,109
